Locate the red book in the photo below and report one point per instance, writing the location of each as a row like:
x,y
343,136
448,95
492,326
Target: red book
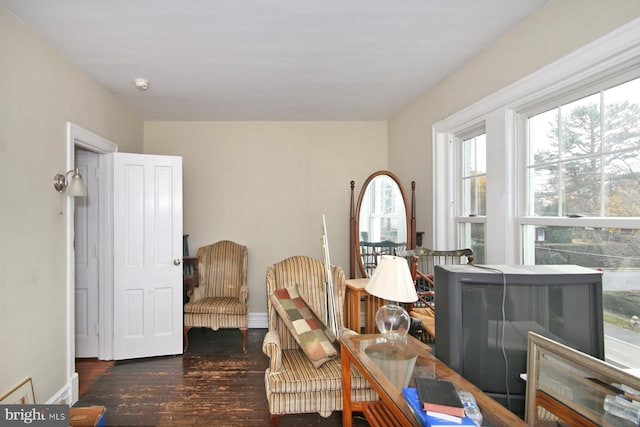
x,y
439,396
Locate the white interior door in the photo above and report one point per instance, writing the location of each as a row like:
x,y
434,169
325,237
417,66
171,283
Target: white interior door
x,y
86,258
147,255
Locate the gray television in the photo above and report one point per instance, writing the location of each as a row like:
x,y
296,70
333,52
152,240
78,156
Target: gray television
x,y
483,313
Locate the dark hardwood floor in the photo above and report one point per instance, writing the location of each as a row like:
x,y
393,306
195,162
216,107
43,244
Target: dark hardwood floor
x,y
213,384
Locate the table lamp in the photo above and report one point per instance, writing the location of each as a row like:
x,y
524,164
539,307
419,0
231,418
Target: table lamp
x,y
392,282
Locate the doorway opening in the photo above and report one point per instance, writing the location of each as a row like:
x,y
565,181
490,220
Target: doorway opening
x,y
82,140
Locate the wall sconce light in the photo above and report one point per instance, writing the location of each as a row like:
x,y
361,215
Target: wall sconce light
x,y
75,187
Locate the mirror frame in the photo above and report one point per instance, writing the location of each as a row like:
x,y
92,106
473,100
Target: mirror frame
x,y
354,220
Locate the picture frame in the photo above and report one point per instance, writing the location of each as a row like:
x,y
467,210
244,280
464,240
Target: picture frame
x,y
22,394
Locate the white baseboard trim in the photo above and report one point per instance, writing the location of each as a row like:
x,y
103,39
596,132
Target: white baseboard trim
x,y
258,321
68,393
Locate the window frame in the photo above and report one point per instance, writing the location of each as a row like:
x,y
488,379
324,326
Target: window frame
x,y
462,218
464,178
503,115
525,218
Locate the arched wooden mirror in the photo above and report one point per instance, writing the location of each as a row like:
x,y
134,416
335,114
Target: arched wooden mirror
x,y
381,222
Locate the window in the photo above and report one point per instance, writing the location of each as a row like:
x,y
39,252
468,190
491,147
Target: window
x,y
584,163
584,156
473,180
561,178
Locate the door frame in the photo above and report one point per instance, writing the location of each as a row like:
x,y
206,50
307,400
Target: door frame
x,y
80,137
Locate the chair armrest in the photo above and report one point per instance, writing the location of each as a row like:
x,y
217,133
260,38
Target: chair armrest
x,y
345,332
429,278
244,294
271,348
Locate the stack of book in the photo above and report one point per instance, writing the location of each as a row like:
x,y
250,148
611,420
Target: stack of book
x,y
436,403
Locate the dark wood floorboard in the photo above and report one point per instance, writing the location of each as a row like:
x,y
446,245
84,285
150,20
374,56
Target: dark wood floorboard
x,y
89,370
213,384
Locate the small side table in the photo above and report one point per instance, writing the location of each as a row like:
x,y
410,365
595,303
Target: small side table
x,y
190,276
354,295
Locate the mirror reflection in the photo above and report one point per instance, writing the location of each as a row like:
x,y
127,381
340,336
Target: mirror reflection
x,y
383,216
381,221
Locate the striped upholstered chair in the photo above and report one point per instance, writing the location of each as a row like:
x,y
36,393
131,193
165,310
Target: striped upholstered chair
x,y
293,384
220,299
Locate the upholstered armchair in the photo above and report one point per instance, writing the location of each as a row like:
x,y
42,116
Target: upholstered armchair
x,y
293,383
220,299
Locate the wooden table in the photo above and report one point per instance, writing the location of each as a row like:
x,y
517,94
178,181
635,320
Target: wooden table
x,y
353,297
382,364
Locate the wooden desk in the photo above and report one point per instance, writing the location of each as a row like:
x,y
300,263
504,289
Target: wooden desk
x,y
392,409
353,297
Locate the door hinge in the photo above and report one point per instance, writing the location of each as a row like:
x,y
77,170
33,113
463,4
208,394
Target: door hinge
x,y
97,325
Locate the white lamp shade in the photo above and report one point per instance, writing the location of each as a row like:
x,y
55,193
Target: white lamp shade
x,y
392,280
76,186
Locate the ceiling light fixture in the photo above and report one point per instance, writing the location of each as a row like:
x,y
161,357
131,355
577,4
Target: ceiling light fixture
x,y
141,84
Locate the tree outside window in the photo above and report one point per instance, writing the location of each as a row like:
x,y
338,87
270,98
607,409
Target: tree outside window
x,y
584,162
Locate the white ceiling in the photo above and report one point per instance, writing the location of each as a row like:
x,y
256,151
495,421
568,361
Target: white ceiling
x,y
270,59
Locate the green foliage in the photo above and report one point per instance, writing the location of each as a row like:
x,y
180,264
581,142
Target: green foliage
x,y
625,303
615,319
558,234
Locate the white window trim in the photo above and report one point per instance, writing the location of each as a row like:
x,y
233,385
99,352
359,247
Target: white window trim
x,y
615,53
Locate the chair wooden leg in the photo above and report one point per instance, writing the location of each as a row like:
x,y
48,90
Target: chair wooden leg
x,y
244,339
185,337
274,420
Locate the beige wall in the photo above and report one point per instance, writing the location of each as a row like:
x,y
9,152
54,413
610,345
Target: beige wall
x,y
39,92
555,30
262,184
267,184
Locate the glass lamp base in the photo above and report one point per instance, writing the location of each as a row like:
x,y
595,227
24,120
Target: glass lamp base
x,y
393,321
